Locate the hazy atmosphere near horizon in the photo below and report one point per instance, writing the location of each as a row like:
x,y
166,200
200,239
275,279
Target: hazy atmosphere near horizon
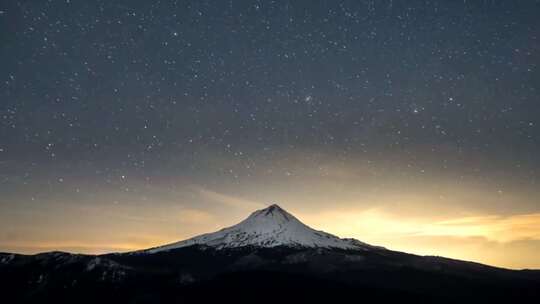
x,y
413,125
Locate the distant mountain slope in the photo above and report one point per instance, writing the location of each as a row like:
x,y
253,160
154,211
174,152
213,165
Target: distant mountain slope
x,y
269,227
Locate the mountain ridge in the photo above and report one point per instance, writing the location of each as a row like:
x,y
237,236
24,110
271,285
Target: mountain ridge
x,y
268,227
281,254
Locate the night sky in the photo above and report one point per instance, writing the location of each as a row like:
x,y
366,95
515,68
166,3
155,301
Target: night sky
x,y
413,125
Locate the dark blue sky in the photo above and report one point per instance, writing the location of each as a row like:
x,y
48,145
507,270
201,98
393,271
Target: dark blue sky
x,y
386,74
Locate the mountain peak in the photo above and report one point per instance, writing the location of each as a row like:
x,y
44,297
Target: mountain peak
x,y
274,207
268,227
274,212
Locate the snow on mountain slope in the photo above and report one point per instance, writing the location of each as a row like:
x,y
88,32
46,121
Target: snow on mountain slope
x,y
269,227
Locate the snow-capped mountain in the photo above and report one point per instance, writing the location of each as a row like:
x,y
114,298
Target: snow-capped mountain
x,y
269,227
269,251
